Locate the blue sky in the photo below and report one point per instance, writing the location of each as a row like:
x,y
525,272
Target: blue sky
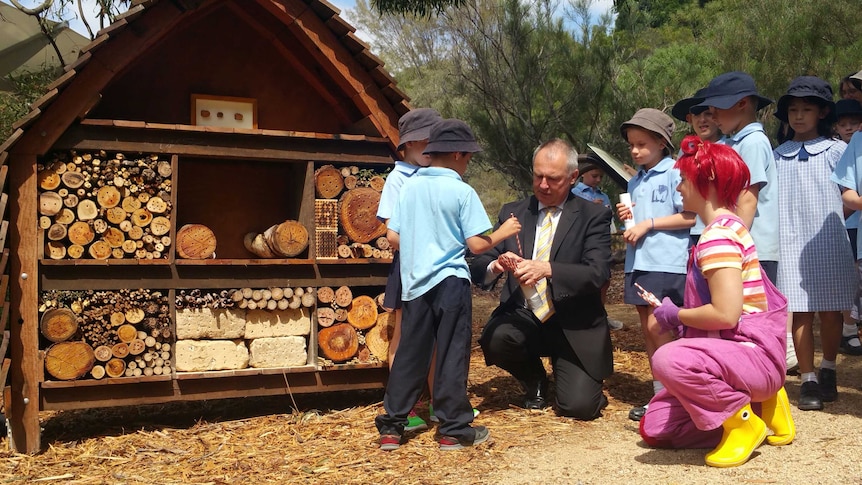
x,y
90,10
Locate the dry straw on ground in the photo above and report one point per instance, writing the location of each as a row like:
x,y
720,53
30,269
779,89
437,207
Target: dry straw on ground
x,y
330,438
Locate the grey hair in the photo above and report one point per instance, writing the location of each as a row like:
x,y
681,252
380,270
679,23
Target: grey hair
x,y
558,146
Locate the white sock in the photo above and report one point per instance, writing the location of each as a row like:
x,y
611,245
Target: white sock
x,y
827,364
808,377
849,330
656,387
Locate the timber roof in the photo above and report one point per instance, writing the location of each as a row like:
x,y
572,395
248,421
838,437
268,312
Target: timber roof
x,y
317,22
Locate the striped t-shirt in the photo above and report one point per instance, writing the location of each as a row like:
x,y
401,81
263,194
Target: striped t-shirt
x,y
726,243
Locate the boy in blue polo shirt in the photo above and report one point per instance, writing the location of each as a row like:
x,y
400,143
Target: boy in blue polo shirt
x,y
437,218
733,100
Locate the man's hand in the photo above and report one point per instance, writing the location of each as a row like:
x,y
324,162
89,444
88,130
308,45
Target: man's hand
x,y
530,271
506,262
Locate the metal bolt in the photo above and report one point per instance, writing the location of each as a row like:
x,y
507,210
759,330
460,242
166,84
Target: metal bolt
x,y
26,400
24,276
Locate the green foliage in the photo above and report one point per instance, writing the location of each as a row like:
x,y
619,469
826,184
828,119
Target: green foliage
x,y
526,80
14,104
637,15
422,8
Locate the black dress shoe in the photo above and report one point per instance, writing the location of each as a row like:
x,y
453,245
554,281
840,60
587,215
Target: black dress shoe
x,y
535,394
636,414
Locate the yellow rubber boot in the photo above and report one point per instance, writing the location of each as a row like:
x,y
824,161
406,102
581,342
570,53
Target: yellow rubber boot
x,y
776,415
743,432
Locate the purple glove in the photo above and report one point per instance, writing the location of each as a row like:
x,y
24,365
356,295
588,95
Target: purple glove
x,y
667,315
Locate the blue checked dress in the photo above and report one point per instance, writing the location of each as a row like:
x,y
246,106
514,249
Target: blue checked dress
x,y
816,270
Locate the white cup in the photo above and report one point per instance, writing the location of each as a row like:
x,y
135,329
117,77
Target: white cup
x,y
626,200
531,297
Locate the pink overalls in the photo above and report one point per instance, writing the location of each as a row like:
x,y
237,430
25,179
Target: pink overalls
x,y
710,375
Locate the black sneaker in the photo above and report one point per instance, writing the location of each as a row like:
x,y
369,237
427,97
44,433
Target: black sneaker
x,y
810,398
452,443
828,385
390,442
851,345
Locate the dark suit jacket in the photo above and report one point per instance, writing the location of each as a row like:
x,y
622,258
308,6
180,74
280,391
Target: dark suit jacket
x,y
580,265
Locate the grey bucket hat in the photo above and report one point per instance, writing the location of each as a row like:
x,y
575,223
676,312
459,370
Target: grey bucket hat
x,y
416,125
653,120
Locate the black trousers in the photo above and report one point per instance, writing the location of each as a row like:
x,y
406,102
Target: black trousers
x,y
515,341
443,315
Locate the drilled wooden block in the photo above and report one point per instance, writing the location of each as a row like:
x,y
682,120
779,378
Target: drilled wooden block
x,y
326,243
326,213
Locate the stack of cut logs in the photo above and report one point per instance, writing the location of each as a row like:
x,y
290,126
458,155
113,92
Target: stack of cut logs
x,y
351,328
114,333
196,298
346,213
99,206
273,298
285,240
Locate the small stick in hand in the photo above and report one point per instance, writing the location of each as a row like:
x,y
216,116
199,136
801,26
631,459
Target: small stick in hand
x,y
648,296
518,239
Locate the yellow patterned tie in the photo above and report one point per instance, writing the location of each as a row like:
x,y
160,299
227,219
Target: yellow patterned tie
x,y
543,252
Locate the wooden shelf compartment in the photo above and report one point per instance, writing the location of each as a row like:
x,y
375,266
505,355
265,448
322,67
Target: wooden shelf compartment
x,y
129,393
251,371
236,198
244,262
107,381
239,144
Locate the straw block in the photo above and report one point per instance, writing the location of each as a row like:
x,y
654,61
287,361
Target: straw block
x,y
277,323
208,323
278,352
198,355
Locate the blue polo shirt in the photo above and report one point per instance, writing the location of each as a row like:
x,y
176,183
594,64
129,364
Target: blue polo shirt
x,y
392,187
752,144
654,194
435,214
591,194
848,172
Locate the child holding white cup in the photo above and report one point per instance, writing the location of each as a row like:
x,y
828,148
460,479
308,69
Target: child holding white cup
x,y
657,228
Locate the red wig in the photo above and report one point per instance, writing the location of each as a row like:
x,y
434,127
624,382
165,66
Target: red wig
x,y
705,163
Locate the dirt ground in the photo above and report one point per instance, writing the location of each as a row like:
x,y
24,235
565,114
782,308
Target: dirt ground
x,y
330,438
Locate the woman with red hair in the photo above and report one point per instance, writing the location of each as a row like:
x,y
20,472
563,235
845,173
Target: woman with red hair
x,y
732,328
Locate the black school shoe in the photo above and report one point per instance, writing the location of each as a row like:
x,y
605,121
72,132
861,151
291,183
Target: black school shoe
x,y
810,398
828,385
851,345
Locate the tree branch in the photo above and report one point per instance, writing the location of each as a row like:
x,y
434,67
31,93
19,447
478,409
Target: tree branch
x,y
33,11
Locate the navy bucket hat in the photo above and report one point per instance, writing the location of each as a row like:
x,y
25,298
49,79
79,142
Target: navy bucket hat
x,y
689,105
451,135
810,87
727,89
848,107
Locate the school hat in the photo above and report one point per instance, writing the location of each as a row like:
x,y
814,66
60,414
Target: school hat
x,y
689,105
416,125
653,120
451,135
586,163
857,76
847,107
725,90
807,87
